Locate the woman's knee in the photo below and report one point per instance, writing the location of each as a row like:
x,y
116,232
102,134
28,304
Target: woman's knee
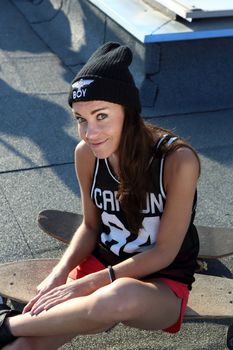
x,y
127,292
119,299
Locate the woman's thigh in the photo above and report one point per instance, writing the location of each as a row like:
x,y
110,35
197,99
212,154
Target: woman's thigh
x,y
146,305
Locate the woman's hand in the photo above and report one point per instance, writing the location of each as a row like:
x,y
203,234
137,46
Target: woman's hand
x,y
54,279
81,287
54,297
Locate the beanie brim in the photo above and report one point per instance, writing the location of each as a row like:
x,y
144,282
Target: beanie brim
x,y
90,88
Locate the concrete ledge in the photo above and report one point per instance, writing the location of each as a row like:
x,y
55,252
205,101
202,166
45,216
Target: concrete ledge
x,y
135,16
174,77
148,25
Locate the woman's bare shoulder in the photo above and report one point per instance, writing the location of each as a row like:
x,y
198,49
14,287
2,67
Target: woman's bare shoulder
x,y
183,163
83,151
84,159
183,157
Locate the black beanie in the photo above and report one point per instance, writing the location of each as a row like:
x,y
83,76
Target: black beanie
x,y
106,77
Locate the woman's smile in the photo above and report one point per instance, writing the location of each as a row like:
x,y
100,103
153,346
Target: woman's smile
x,y
97,144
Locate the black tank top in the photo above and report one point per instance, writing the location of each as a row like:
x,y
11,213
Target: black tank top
x,y
115,241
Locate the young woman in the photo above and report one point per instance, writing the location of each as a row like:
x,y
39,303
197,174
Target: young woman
x,y
133,258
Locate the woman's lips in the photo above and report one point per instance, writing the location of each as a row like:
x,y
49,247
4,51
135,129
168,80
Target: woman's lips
x,y
97,144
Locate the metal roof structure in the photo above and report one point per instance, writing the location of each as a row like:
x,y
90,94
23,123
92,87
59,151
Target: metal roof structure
x,y
196,9
146,21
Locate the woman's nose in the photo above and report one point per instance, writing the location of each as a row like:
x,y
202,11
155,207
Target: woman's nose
x,y
91,130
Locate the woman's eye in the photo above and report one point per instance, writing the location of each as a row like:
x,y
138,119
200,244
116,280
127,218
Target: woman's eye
x,y
101,116
79,119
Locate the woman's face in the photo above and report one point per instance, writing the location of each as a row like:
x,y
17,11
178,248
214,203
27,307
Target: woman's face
x,y
100,125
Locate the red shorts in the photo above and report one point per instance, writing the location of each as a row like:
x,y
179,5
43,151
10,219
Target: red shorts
x,y
91,264
181,291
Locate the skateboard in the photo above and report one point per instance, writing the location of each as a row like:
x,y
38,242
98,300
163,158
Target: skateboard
x,y
19,279
215,242
211,296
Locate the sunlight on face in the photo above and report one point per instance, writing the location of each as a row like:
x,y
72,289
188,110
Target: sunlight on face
x,y
100,125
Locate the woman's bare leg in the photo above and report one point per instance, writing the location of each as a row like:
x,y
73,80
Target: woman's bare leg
x,y
159,307
138,304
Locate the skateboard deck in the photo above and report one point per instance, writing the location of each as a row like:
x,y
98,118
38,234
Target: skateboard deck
x,y
19,280
211,297
215,242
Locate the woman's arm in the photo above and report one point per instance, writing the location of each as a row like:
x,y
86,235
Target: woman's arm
x,y
84,239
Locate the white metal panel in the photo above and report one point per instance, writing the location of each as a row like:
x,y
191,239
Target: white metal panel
x,y
149,25
133,15
191,9
212,5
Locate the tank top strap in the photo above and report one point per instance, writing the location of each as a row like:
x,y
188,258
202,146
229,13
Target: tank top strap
x,y
158,149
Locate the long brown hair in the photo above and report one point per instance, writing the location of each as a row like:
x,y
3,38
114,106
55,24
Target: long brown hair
x,y
135,151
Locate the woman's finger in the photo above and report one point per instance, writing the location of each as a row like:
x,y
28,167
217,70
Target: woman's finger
x,y
43,300
48,305
32,302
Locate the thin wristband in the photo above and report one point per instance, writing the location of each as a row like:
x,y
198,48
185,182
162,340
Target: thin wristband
x,y
111,273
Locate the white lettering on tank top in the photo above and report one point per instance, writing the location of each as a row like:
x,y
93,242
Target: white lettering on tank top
x,y
118,234
146,236
152,203
106,200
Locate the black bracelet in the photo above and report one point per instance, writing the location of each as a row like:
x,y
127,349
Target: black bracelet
x,y
111,273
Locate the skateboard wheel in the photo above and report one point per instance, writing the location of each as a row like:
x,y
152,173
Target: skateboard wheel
x,y
202,265
230,338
